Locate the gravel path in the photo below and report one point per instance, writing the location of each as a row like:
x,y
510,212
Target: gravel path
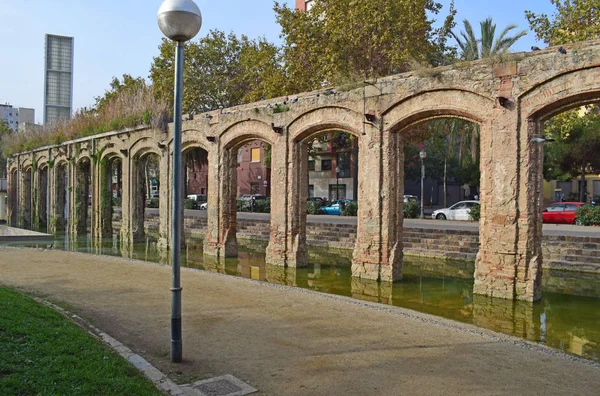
x,y
287,341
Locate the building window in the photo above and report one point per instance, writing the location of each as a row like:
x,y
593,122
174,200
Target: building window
x,y
311,165
255,154
343,163
254,188
311,190
326,165
337,191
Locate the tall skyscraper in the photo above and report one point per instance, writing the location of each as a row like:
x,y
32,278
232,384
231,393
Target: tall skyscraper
x,y
58,82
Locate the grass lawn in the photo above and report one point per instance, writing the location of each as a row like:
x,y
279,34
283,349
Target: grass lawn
x,y
41,352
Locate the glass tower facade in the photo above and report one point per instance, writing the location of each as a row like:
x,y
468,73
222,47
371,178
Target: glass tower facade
x,y
58,82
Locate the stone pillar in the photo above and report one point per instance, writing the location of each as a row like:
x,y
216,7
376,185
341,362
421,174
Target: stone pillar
x,y
228,204
103,199
12,201
297,193
164,200
35,196
213,233
138,199
24,220
126,203
378,251
277,250
41,201
509,259
78,209
58,201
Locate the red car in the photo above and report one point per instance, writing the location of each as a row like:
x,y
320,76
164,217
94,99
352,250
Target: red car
x,y
561,212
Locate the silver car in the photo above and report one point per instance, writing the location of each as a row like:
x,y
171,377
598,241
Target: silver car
x,y
459,211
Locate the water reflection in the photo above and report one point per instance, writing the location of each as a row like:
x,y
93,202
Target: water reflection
x,y
567,318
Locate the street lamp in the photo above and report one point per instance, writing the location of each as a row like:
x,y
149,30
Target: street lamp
x,y
180,21
337,183
422,155
266,184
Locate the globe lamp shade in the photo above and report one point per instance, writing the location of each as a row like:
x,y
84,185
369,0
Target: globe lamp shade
x,y
179,20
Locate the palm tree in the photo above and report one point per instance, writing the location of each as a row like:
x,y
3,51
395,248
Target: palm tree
x,y
473,48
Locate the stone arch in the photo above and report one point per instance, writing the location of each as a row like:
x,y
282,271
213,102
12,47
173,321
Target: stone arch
x,y
223,221
324,119
111,162
310,125
239,133
565,91
437,104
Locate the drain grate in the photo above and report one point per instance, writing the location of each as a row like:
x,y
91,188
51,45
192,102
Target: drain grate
x,y
226,385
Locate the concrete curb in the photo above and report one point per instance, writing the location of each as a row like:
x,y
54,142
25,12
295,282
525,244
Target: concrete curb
x,y
160,380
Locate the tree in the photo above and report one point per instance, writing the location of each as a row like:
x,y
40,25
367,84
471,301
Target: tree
x,y
340,41
574,20
575,150
129,84
4,131
221,70
488,45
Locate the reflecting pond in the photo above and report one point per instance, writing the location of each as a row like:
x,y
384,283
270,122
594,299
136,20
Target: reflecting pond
x,y
567,317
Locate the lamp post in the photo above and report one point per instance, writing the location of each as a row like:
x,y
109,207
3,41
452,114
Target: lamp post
x,y
422,155
337,183
266,184
180,21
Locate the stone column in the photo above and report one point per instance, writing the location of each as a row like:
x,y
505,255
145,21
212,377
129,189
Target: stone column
x,y
137,199
25,199
164,200
79,202
378,251
509,259
213,233
297,193
126,202
277,250
58,202
12,208
227,205
103,199
35,196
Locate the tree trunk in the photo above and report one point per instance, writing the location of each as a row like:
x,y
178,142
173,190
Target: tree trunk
x,y
445,181
582,184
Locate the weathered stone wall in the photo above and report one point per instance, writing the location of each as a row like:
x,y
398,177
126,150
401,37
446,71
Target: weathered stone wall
x,y
564,253
509,97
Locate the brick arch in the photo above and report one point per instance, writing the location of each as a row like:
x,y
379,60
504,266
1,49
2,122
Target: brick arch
x,y
560,93
193,144
325,119
240,133
437,104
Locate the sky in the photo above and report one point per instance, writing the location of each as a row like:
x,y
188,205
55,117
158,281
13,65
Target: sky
x,y
114,37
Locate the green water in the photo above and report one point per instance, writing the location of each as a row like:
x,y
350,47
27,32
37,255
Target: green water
x,y
567,317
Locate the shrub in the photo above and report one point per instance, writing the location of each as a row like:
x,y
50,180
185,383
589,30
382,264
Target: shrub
x,y
350,209
262,206
313,207
588,215
190,204
411,210
153,203
475,212
116,201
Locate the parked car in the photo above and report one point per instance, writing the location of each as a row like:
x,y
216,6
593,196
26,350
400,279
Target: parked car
x,y
561,212
197,197
411,198
334,207
247,197
316,199
459,211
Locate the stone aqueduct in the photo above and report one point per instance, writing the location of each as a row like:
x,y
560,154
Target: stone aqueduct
x,y
509,98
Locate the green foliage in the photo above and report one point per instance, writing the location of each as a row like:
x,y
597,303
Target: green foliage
x,y
475,212
574,20
350,209
313,207
153,203
5,133
260,206
279,108
588,215
190,204
116,201
339,41
487,46
44,353
411,210
221,70
577,144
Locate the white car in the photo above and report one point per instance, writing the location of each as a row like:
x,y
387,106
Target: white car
x,y
459,211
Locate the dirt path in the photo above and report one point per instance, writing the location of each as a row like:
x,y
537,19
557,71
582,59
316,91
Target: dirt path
x,y
286,341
